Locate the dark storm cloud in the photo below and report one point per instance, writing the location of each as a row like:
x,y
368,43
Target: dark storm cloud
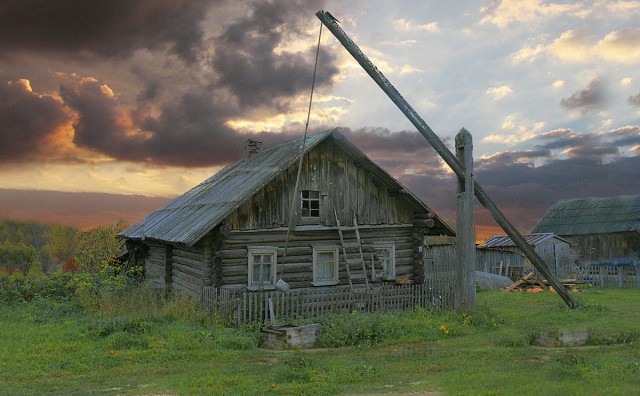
x,y
251,67
188,131
401,152
588,100
634,100
26,119
180,114
107,28
98,125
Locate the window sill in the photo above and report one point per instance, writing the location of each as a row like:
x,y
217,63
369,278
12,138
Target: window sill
x,y
325,283
258,288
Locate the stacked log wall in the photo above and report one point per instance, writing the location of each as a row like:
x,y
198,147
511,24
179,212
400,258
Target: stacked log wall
x,y
298,270
188,269
155,264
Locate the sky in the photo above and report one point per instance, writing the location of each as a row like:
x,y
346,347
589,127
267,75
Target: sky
x,y
148,98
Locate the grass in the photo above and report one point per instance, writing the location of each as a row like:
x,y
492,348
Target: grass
x,y
55,347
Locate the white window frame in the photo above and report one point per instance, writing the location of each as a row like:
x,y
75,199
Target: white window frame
x,y
388,268
335,279
262,250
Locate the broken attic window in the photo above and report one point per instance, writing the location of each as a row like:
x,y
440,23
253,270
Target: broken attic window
x,y
310,203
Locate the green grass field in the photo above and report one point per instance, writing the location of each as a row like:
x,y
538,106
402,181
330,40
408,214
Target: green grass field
x,y
56,347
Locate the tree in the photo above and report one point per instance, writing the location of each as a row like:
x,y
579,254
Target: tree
x,y
60,247
98,247
17,256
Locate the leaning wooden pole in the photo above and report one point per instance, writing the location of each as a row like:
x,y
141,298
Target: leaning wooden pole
x,y
332,24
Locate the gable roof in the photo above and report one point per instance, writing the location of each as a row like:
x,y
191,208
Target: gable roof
x,y
191,216
592,216
498,241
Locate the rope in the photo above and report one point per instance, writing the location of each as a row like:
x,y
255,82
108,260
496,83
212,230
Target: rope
x,y
302,152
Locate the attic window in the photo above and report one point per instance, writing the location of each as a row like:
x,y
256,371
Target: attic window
x,y
310,204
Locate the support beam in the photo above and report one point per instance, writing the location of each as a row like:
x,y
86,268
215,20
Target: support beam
x,y
465,298
332,24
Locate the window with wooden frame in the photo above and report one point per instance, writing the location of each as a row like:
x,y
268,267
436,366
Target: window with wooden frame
x,y
385,261
325,265
310,204
262,267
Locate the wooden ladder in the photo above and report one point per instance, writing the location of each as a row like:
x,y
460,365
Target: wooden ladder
x,y
352,245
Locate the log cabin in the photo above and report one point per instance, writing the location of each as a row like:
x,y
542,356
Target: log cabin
x,y
353,224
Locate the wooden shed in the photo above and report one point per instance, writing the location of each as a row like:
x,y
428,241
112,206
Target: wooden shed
x,y
599,229
552,249
354,224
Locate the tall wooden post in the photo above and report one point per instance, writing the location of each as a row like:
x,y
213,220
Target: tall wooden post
x,y
465,298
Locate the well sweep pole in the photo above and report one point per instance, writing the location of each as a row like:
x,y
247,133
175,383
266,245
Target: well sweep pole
x,y
332,24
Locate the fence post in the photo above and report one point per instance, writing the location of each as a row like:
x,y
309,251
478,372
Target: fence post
x,y
620,276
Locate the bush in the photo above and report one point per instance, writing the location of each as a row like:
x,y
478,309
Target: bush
x,y
19,288
70,266
98,247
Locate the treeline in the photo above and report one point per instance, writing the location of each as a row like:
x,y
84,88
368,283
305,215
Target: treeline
x,y
31,247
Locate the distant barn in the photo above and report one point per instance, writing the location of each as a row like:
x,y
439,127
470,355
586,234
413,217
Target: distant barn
x,y
229,232
599,229
552,249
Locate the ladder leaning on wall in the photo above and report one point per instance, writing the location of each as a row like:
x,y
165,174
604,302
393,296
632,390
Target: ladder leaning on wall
x,y
349,247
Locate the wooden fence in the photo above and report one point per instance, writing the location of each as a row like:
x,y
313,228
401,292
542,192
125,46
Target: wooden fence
x,y
620,276
440,263
249,307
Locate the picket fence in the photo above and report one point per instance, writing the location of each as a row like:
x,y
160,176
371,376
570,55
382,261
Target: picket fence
x,y
251,307
620,276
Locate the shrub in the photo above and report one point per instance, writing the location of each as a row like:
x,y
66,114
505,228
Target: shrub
x,y
70,266
98,247
18,288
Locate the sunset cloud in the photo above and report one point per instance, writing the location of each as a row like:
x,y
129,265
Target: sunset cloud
x,y
28,118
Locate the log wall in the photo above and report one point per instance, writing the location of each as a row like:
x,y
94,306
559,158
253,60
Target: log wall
x,y
155,265
188,269
602,247
298,271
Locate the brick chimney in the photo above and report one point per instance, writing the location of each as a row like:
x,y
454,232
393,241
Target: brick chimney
x,y
251,148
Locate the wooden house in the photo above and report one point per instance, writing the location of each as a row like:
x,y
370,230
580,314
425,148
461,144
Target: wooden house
x,y
599,229
552,249
230,231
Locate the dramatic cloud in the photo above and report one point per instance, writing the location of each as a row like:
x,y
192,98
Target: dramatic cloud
x,y
251,63
590,99
183,115
634,100
28,119
106,28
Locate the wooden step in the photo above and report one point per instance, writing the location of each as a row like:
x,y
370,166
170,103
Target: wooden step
x,y
355,262
358,276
